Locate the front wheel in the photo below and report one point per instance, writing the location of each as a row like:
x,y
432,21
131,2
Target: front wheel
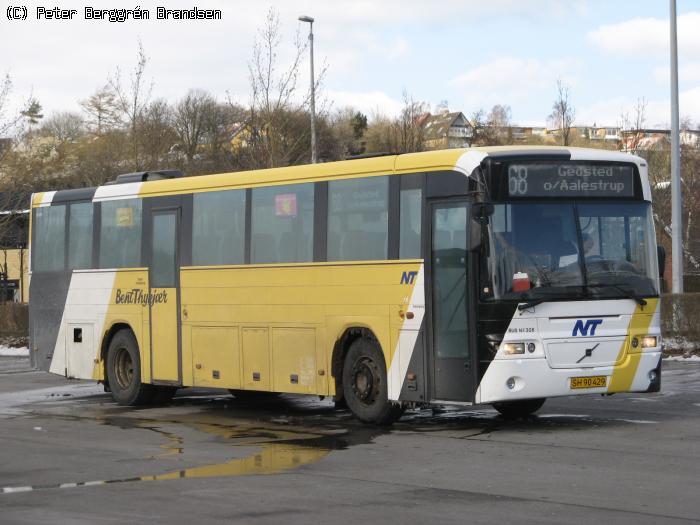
x,y
519,409
124,371
365,388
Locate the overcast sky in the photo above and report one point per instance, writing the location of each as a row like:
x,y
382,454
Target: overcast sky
x,y
471,53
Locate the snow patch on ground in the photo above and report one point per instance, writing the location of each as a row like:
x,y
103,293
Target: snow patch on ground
x,y
679,344
8,351
690,358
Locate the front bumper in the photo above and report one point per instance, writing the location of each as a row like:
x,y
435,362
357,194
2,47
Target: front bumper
x,y
533,378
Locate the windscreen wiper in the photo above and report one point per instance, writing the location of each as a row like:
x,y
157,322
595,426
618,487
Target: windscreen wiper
x,y
534,302
629,294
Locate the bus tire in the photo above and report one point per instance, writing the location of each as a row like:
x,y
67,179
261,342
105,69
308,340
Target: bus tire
x,y
519,409
365,388
124,371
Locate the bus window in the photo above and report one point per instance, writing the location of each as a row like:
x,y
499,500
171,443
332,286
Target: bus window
x,y
218,228
410,224
80,236
49,241
120,234
282,224
358,219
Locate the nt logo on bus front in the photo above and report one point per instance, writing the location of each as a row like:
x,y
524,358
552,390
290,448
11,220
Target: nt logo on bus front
x,y
587,329
408,277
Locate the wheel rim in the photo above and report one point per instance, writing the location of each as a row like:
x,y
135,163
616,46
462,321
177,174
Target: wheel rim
x,y
366,380
124,368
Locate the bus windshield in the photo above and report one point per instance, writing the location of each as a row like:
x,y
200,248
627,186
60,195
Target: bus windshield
x,y
592,250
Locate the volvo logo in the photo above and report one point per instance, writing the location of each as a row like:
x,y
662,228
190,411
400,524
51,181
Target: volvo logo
x,y
588,353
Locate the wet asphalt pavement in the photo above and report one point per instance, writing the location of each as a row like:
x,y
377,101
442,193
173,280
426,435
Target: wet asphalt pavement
x,y
69,455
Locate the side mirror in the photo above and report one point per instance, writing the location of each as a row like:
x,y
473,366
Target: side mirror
x,y
661,254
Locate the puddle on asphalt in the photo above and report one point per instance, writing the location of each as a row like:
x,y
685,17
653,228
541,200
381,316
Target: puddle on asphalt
x,y
276,450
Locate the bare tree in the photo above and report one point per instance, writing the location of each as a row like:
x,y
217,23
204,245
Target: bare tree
x,y
190,120
273,135
64,126
402,134
563,113
5,122
492,129
132,100
156,133
408,131
379,136
640,109
222,122
102,111
633,126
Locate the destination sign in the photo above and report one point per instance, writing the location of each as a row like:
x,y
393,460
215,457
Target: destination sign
x,y
570,180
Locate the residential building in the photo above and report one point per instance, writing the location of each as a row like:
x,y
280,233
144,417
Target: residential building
x,y
14,256
446,130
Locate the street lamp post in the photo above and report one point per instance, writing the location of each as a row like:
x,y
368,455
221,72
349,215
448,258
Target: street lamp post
x,y
313,87
676,201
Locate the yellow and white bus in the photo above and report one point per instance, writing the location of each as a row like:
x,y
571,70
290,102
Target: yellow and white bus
x,y
487,275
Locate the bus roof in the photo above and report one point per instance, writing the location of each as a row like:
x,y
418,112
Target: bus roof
x,y
464,160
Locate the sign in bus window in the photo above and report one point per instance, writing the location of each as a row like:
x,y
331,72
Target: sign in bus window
x,y
282,224
570,180
125,217
120,234
286,205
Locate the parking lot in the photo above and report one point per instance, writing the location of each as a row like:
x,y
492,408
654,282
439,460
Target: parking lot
x,y
69,455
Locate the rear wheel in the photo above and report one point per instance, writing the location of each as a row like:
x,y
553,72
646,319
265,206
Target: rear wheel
x,y
124,371
519,409
365,388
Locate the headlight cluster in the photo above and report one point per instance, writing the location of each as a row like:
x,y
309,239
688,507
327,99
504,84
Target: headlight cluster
x,y
647,341
650,341
518,348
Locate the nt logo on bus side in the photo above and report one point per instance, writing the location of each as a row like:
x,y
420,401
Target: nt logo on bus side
x,y
587,329
408,277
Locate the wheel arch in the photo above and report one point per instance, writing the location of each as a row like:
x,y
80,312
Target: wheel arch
x,y
341,347
107,339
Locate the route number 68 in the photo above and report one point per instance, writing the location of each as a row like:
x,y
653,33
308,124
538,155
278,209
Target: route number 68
x,y
517,180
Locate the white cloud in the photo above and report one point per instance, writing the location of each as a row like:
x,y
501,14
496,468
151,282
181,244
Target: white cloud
x,y
370,103
608,112
644,37
513,81
687,74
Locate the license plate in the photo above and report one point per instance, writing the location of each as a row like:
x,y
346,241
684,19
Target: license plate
x,y
589,382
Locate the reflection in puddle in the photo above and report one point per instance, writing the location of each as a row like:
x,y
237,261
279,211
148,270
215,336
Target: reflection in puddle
x,y
275,450
280,451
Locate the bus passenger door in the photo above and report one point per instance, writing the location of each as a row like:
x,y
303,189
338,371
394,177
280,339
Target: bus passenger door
x,y
451,324
164,296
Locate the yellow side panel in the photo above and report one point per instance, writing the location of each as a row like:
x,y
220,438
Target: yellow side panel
x,y
216,357
256,359
294,360
164,332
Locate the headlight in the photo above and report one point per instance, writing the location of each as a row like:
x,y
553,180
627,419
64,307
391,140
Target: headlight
x,y
650,341
513,348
